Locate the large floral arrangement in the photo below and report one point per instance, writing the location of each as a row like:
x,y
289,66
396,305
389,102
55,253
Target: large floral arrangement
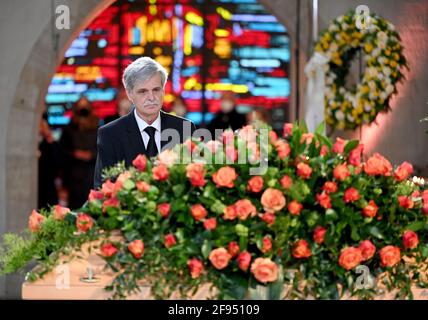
x,y
314,216
380,45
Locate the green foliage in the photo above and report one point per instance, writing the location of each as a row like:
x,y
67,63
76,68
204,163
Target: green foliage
x,y
319,274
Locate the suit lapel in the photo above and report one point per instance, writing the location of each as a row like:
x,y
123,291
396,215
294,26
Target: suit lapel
x,y
164,125
134,135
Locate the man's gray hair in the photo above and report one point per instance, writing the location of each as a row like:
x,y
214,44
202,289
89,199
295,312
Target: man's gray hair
x,y
142,69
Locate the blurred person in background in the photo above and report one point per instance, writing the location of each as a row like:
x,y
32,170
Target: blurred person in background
x,y
179,107
257,115
228,117
124,106
48,160
79,152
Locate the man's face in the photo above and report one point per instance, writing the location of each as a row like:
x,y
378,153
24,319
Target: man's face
x,y
147,96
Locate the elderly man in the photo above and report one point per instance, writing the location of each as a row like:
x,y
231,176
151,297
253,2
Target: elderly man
x,y
146,129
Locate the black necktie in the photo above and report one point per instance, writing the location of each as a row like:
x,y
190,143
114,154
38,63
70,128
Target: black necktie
x,y
151,149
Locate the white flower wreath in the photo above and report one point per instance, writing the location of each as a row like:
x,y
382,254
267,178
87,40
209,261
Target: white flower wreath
x,y
380,44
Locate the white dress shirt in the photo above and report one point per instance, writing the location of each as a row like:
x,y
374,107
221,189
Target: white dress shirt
x,y
143,124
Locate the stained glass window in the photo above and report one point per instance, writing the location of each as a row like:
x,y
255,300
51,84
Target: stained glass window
x,y
206,46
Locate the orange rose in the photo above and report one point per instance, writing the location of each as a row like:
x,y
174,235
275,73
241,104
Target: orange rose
x,y
231,153
390,256
35,221
190,145
288,129
228,137
269,218
198,212
255,184
286,182
108,189
60,212
143,186
121,179
108,250
367,249
219,258
295,207
196,173
350,258
244,260
140,162
405,202
410,239
370,210
324,200
233,248
304,171
355,155
196,267
403,171
377,165
319,234
341,172
307,138
323,150
273,200
264,270
339,145
225,177
164,209
351,195
301,250
273,137
168,157
95,195
210,224
230,212
136,248
160,172
111,203
266,244
330,187
84,222
283,149
245,208
169,240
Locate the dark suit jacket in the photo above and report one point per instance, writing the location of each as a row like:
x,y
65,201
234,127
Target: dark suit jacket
x,y
121,140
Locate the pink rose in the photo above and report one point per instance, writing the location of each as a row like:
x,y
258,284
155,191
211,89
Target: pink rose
x,y
136,248
108,250
35,221
219,258
367,249
60,212
140,162
264,270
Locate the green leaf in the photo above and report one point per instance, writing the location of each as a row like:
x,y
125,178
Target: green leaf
x,y
206,248
415,226
320,129
128,184
374,231
352,144
354,234
424,251
330,215
178,190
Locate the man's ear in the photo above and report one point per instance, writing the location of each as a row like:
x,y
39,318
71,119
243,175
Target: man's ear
x,y
128,94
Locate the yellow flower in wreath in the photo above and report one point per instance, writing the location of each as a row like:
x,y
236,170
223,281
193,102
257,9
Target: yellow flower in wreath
x,y
368,47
